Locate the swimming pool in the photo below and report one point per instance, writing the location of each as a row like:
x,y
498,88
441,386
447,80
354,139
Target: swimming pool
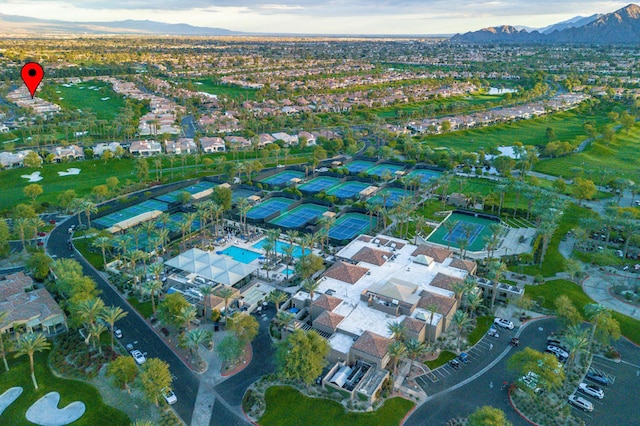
x,y
240,254
288,272
281,246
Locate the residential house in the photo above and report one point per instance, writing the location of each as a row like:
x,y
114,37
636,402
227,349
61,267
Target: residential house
x,y
286,138
212,144
145,148
238,142
309,137
181,146
67,153
100,148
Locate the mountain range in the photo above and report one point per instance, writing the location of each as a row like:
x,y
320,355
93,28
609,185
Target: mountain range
x,y
22,25
619,27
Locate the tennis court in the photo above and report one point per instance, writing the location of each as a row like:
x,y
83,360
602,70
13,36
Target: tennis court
x,y
381,169
389,196
172,196
350,225
282,178
239,193
476,227
425,175
175,220
129,212
319,184
300,216
269,207
347,189
358,166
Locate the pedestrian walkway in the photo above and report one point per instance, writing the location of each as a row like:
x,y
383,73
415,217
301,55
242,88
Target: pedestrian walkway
x,y
598,286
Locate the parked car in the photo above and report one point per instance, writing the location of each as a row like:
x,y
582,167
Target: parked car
x,y
493,332
580,402
138,356
169,396
592,390
504,323
598,377
454,363
129,347
560,353
117,332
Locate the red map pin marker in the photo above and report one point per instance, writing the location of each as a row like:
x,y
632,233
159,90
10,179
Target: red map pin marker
x,y
32,74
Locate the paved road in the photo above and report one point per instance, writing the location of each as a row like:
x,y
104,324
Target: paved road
x,y
188,127
459,393
134,327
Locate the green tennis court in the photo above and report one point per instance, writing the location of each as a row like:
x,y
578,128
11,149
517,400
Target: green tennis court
x,y
389,196
381,169
468,226
318,184
358,166
425,175
129,212
172,196
282,178
300,216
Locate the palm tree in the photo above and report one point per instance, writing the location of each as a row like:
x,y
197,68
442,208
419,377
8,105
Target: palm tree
x,y
110,315
76,206
283,319
243,207
103,243
89,310
225,292
28,344
34,224
473,300
163,235
496,269
20,225
186,315
461,320
277,297
194,338
310,286
89,207
449,225
153,287
136,233
206,291
217,211
396,351
398,330
576,341
596,314
3,317
95,331
415,348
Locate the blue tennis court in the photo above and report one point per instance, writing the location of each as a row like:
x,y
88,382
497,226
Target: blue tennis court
x,y
350,225
389,196
381,169
300,216
425,175
129,212
269,207
476,227
347,189
173,224
459,232
358,166
282,178
319,184
172,196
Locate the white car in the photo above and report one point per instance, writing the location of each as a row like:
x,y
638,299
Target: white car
x,y
580,402
117,332
138,356
591,390
504,323
558,352
169,396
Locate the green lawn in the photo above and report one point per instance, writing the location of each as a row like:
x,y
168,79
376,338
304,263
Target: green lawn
x,y
145,308
482,326
97,413
621,157
443,358
567,126
474,101
208,85
286,406
82,96
547,293
83,245
553,261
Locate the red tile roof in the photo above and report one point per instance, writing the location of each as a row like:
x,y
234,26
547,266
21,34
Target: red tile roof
x,y
438,254
466,265
328,319
442,304
326,302
445,281
346,272
414,325
372,344
372,256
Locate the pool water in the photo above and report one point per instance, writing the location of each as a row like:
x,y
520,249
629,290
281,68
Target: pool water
x,y
289,271
240,254
281,246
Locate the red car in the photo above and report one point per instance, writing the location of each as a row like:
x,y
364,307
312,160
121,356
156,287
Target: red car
x,y
41,234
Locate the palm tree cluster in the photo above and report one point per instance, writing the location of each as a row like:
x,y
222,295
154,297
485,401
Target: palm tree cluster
x,y
400,346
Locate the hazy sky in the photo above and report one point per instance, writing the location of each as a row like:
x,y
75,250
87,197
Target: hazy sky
x,y
320,16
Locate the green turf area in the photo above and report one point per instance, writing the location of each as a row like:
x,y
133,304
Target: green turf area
x,y
621,157
475,101
224,90
547,293
84,247
553,261
86,96
144,308
443,358
480,229
97,413
286,406
482,326
567,126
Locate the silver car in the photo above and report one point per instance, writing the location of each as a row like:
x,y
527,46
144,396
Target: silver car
x,y
580,402
591,390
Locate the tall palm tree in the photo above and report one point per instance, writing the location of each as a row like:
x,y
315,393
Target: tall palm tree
x,y
34,224
135,233
576,341
277,297
28,344
283,319
310,286
89,208
415,348
186,315
433,309
163,235
272,237
449,225
206,291
496,269
243,207
398,330
76,206
89,310
461,320
153,287
596,313
217,211
3,318
396,351
95,331
111,314
103,243
473,300
226,293
20,225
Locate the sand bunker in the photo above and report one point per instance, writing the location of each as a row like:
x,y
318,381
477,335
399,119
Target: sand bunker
x,y
69,172
7,398
33,177
45,411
